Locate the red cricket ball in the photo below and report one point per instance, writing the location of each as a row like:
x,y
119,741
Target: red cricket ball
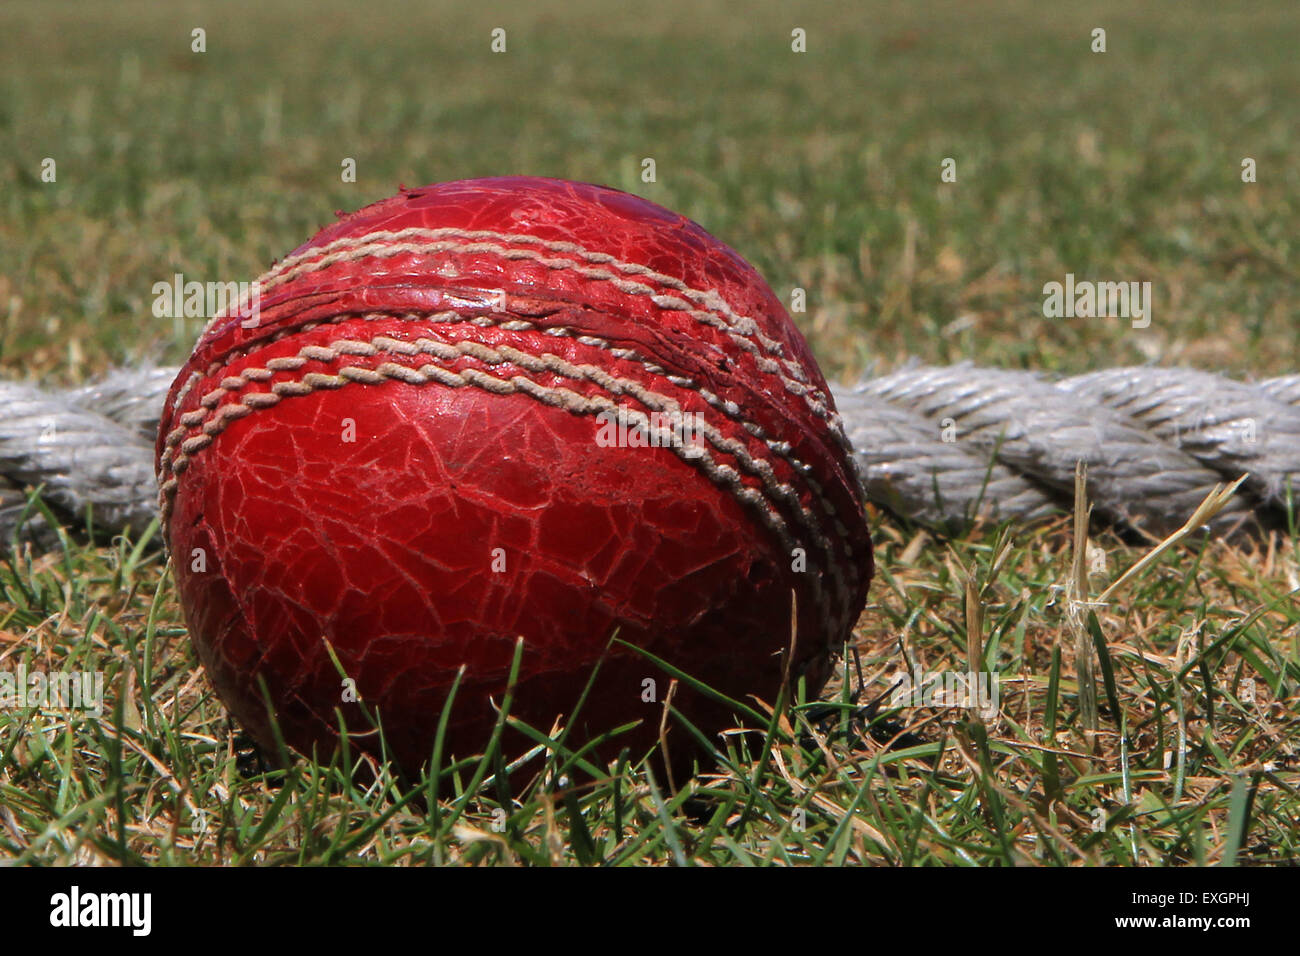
x,y
500,408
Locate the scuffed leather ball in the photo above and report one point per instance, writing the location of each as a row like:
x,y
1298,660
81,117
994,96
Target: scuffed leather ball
x,y
506,408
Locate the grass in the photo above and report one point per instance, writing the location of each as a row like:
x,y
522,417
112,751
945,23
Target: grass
x,y
1188,766
822,169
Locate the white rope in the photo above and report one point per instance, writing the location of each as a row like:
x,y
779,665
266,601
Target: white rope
x,y
1156,441
936,445
80,457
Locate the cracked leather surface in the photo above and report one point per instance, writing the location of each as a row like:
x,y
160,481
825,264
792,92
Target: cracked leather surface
x,y
376,516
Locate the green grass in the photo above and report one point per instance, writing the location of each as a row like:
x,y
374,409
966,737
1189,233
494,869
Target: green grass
x,y
1184,769
822,169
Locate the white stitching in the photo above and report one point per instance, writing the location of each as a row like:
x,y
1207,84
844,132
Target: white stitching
x,y
717,313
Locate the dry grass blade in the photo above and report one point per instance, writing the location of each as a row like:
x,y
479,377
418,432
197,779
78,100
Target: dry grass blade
x,y
1214,502
1077,599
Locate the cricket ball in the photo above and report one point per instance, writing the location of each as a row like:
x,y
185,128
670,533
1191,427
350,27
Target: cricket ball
x,y
499,409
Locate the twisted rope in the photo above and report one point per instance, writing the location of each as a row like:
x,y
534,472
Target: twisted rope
x,y
89,447
939,446
1155,440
